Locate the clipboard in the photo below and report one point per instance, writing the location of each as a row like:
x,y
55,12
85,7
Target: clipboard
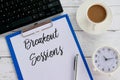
x,y
34,30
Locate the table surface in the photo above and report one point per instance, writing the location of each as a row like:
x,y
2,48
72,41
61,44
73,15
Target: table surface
x,y
88,42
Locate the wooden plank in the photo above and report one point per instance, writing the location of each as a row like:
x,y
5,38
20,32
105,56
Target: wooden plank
x,y
3,45
79,2
72,14
5,54
7,71
71,2
111,2
89,43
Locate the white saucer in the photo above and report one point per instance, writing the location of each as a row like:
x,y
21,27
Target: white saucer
x,y
83,22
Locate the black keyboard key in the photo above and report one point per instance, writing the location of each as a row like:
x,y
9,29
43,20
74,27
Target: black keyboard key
x,y
40,3
21,21
3,28
35,16
34,11
1,1
45,1
51,0
41,15
40,9
45,7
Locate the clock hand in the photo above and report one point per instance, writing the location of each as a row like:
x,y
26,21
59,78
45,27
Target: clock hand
x,y
105,58
109,58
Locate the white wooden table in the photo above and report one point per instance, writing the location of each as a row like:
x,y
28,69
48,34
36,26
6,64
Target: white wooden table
x,y
88,42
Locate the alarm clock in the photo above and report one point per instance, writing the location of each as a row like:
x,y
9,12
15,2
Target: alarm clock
x,y
106,59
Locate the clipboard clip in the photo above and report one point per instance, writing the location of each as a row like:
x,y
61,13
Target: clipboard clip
x,y
37,27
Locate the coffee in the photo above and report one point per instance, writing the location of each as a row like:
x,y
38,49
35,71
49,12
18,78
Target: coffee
x,y
97,13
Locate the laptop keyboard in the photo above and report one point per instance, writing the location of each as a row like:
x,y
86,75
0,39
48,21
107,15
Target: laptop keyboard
x,y
17,13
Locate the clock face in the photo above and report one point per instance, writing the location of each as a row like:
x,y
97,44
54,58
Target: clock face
x,y
106,59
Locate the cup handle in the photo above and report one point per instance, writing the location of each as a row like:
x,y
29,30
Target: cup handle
x,y
93,27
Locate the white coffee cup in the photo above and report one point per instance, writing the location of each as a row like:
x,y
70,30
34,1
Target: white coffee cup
x,y
101,9
90,25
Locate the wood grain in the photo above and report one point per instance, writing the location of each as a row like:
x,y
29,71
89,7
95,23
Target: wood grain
x,y
74,3
7,71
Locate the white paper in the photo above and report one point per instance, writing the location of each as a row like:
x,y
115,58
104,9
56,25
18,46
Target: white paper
x,y
58,67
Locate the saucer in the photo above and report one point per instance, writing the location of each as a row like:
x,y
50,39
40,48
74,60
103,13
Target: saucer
x,y
85,25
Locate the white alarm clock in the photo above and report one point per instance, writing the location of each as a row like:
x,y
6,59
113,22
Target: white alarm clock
x,y
106,59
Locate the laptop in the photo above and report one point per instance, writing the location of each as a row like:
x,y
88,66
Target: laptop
x,y
18,13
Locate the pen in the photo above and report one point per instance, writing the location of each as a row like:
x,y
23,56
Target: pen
x,y
75,66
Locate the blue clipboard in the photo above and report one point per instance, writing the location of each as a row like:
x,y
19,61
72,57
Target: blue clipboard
x,y
18,71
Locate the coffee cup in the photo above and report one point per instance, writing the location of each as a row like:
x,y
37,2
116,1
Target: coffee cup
x,y
96,17
96,14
